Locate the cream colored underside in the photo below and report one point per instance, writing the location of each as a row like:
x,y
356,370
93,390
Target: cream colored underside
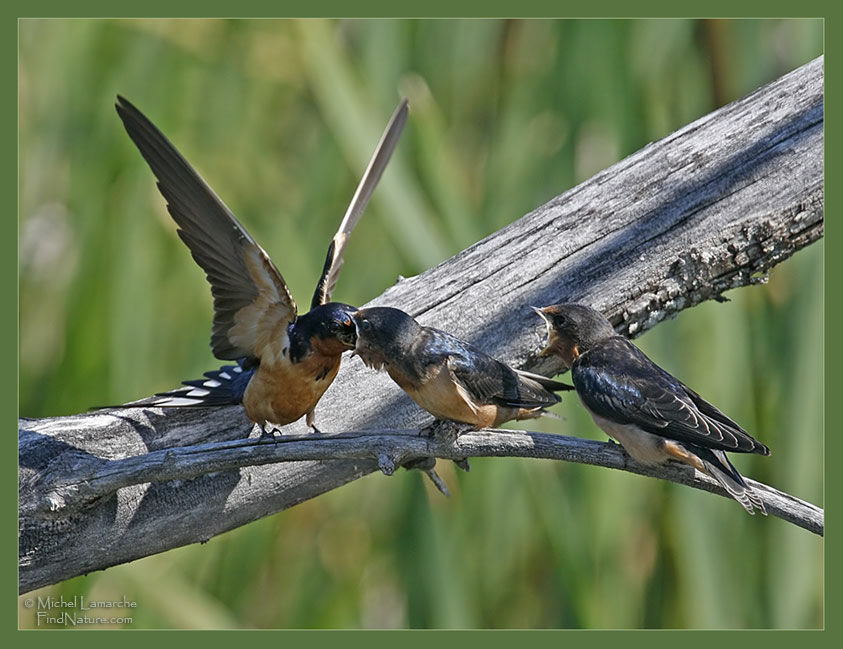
x,y
645,447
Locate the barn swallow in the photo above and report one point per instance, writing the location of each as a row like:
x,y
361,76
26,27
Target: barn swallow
x,y
448,377
285,361
652,414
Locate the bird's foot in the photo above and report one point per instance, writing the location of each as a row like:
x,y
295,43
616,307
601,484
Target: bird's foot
x,y
310,420
267,433
448,431
445,430
429,430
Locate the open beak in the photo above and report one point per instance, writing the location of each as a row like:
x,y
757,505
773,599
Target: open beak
x,y
548,328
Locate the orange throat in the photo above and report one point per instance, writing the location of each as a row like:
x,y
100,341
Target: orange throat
x,y
327,347
283,392
562,347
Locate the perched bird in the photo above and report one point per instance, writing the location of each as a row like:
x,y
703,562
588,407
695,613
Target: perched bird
x,y
285,361
652,414
448,377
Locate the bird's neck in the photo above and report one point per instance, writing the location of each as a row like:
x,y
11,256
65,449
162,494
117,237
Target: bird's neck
x,y
300,346
565,348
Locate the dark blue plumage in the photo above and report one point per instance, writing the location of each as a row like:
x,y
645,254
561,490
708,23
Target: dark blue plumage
x,y
651,413
332,320
617,381
223,387
487,378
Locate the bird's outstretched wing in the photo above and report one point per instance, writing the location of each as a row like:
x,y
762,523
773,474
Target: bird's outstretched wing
x,y
618,382
251,298
333,260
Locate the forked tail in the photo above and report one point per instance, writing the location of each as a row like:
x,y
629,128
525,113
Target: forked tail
x,y
717,465
222,387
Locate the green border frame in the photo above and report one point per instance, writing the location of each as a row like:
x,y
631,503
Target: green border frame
x,y
525,8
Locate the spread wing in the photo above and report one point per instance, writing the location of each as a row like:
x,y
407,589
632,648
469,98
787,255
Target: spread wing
x,y
618,382
488,381
333,261
251,298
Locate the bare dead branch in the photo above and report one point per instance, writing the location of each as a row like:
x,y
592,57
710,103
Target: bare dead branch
x,y
391,449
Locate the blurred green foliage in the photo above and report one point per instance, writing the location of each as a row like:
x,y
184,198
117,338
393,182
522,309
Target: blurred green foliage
x,y
280,117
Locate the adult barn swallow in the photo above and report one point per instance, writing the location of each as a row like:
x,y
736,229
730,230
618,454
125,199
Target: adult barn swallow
x,y
446,376
285,361
652,414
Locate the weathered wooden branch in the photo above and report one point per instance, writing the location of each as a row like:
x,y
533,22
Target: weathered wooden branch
x,y
391,449
709,208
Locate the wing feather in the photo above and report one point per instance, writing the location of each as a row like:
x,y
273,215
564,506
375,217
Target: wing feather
x,y
250,295
488,381
618,382
334,259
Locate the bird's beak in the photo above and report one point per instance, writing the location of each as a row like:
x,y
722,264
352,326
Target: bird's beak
x,y
549,328
356,332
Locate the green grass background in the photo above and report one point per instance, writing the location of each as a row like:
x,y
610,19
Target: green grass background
x,y
280,117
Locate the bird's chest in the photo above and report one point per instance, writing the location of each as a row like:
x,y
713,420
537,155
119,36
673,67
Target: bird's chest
x,y
442,397
645,447
281,392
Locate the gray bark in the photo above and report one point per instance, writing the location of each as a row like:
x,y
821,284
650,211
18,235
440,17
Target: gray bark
x,y
709,208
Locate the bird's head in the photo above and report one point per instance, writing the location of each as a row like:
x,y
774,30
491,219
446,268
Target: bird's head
x,y
572,329
384,334
330,327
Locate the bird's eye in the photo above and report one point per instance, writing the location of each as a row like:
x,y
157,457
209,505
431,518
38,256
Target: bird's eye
x,y
365,325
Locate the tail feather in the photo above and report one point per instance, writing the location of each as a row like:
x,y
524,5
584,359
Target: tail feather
x,y
533,393
546,383
222,387
718,466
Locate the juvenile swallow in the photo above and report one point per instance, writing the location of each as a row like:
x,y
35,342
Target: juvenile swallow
x,y
652,414
448,377
285,361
